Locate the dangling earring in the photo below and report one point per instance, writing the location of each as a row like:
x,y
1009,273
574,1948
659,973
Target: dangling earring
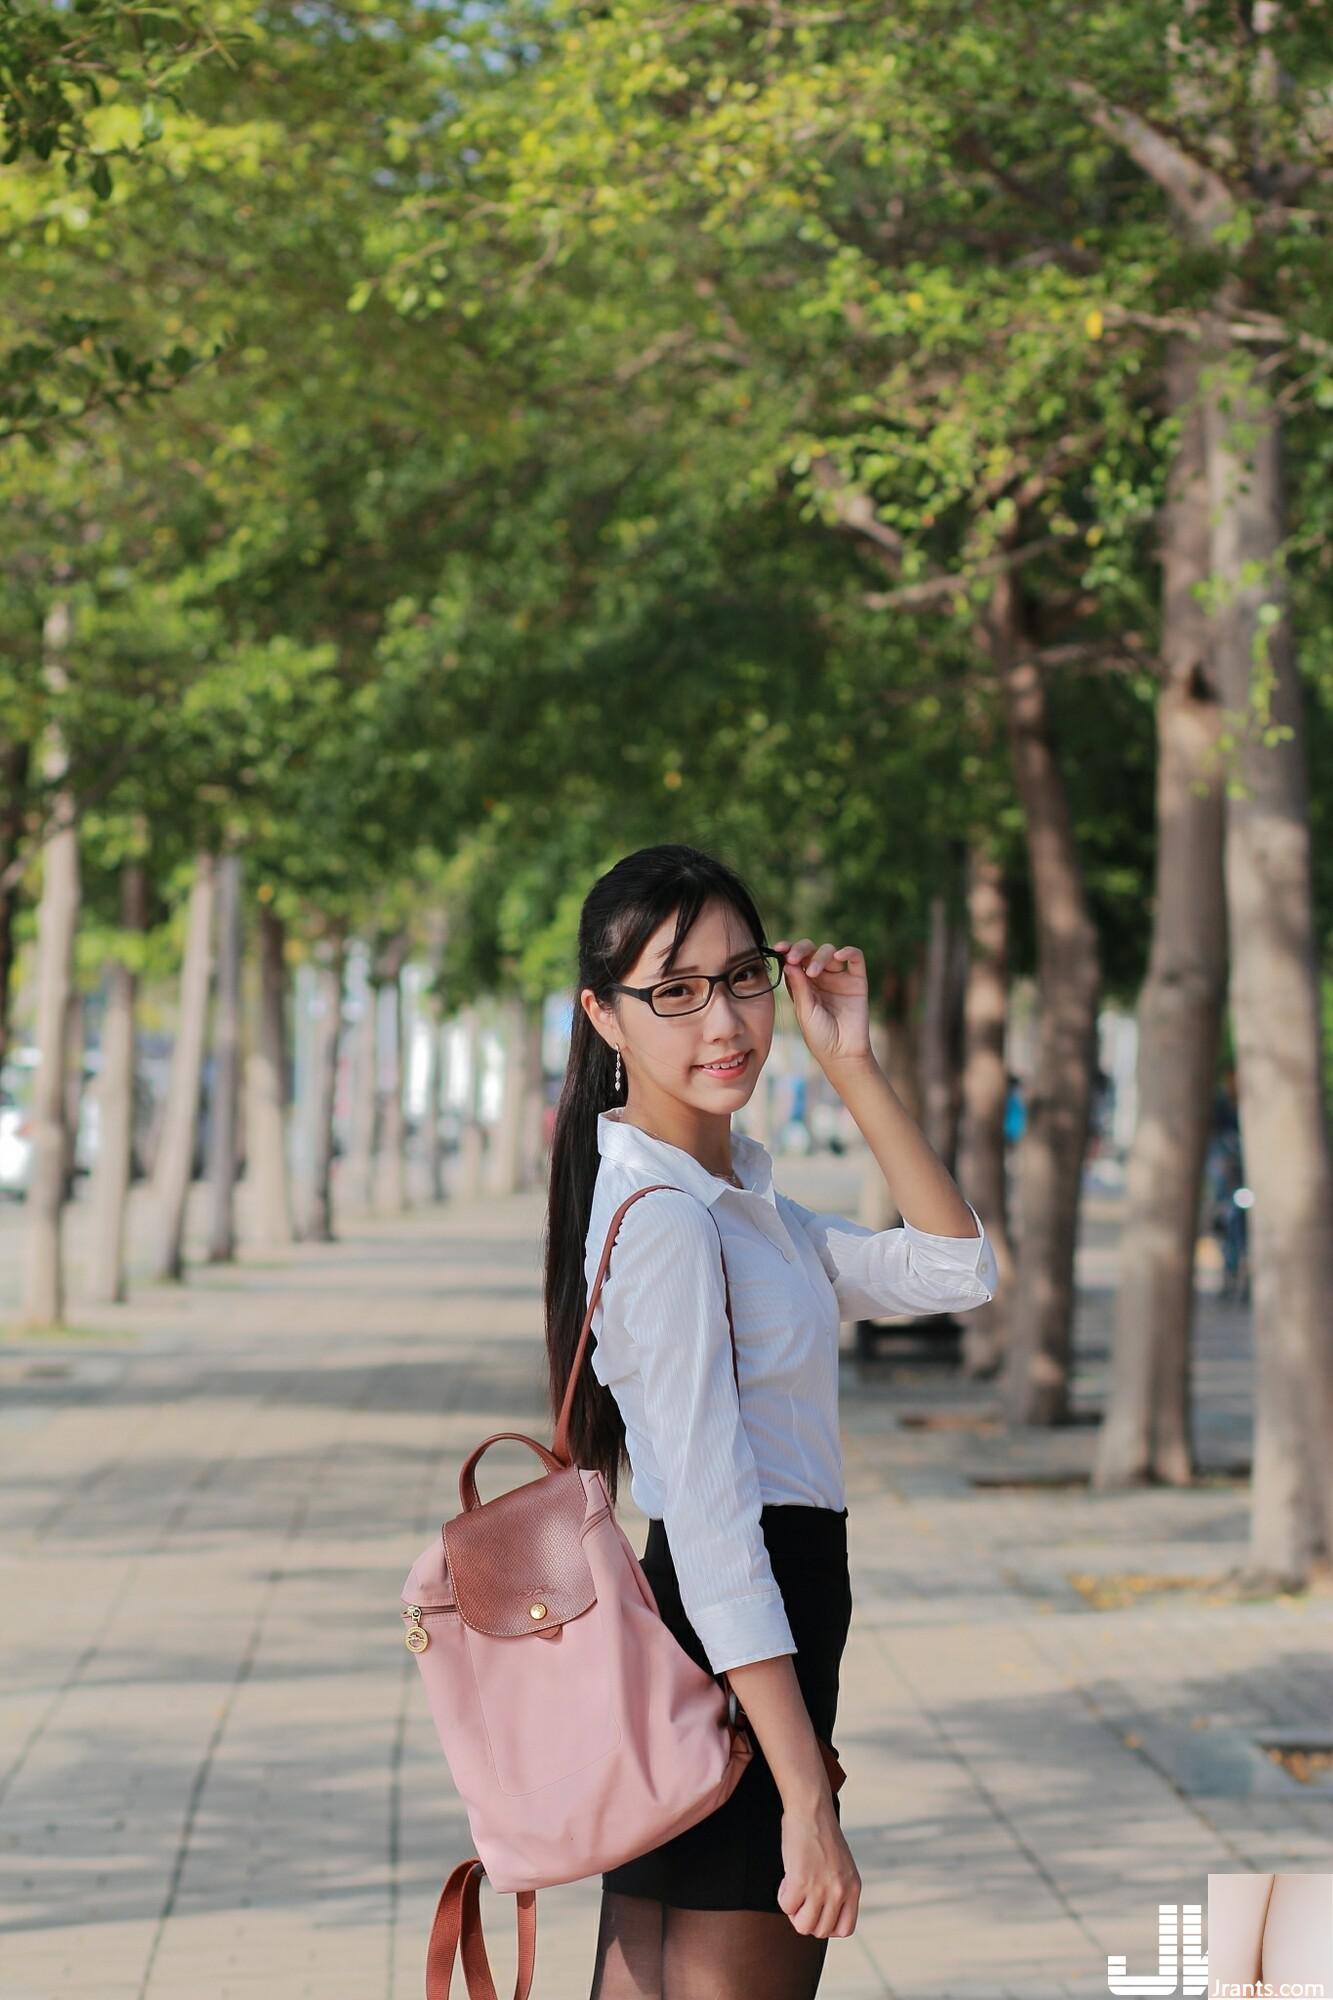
x,y
617,1072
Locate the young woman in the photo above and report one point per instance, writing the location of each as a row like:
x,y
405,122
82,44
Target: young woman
x,y
743,1488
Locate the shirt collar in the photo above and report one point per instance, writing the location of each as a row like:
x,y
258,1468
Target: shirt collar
x,y
657,1158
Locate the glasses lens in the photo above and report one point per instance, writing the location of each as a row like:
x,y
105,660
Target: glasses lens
x,y
757,975
682,996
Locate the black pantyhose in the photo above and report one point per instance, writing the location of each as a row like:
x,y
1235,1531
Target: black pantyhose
x,y
648,1950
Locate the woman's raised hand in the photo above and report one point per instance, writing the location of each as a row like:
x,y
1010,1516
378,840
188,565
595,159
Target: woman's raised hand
x,y
830,992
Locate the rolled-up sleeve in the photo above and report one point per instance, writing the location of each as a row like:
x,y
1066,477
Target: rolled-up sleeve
x,y
664,1287
905,1269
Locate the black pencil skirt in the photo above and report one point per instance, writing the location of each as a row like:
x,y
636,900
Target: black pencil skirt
x,y
732,1860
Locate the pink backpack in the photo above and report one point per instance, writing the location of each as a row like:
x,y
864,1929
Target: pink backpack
x,y
577,1730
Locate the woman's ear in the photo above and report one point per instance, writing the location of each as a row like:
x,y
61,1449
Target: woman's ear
x,y
603,1018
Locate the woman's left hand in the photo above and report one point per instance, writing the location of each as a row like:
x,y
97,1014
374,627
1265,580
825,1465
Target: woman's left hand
x,y
831,994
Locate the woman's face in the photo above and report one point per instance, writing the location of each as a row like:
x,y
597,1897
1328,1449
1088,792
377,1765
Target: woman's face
x,y
665,1058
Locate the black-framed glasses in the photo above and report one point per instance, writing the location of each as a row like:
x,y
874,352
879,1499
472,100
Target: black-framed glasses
x,y
748,979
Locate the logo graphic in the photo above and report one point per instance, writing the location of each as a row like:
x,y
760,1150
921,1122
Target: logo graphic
x,y
1182,1964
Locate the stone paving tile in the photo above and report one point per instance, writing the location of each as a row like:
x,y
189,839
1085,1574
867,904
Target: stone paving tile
x,y
218,1775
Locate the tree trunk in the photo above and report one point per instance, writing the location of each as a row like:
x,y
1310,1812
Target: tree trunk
x,y
532,1172
981,1172
317,1192
76,1035
472,1137
506,1159
14,763
391,1197
1036,1370
105,1281
355,1180
266,1173
1269,899
222,1134
1145,1433
173,1165
432,1148
941,1029
57,923
1274,982
432,1009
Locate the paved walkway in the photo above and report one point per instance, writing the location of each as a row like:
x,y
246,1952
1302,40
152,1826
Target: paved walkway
x,y
218,1775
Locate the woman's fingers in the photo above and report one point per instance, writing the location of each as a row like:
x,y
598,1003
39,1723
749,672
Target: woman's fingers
x,y
800,949
803,956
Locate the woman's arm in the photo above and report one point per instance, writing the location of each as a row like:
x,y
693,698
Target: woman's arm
x,y
922,1187
664,1302
821,1886
769,1693
898,1270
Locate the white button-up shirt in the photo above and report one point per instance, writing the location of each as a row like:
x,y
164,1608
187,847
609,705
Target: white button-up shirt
x,y
704,1460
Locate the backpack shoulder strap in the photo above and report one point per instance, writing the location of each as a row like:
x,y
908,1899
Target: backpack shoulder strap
x,y
560,1442
458,1924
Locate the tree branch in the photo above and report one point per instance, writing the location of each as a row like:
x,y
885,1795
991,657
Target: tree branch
x,y
932,589
1197,191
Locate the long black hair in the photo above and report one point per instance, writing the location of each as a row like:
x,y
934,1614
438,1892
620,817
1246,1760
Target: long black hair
x,y
619,915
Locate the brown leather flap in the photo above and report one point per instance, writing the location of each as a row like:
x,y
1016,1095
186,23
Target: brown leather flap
x,y
519,1552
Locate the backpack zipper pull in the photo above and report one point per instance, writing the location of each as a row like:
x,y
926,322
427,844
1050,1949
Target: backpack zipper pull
x,y
416,1638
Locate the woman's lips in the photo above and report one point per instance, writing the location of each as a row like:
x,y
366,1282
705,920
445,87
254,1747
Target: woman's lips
x,y
726,1075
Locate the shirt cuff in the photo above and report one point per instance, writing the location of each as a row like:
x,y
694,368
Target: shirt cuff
x,y
742,1629
951,1253
954,1257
